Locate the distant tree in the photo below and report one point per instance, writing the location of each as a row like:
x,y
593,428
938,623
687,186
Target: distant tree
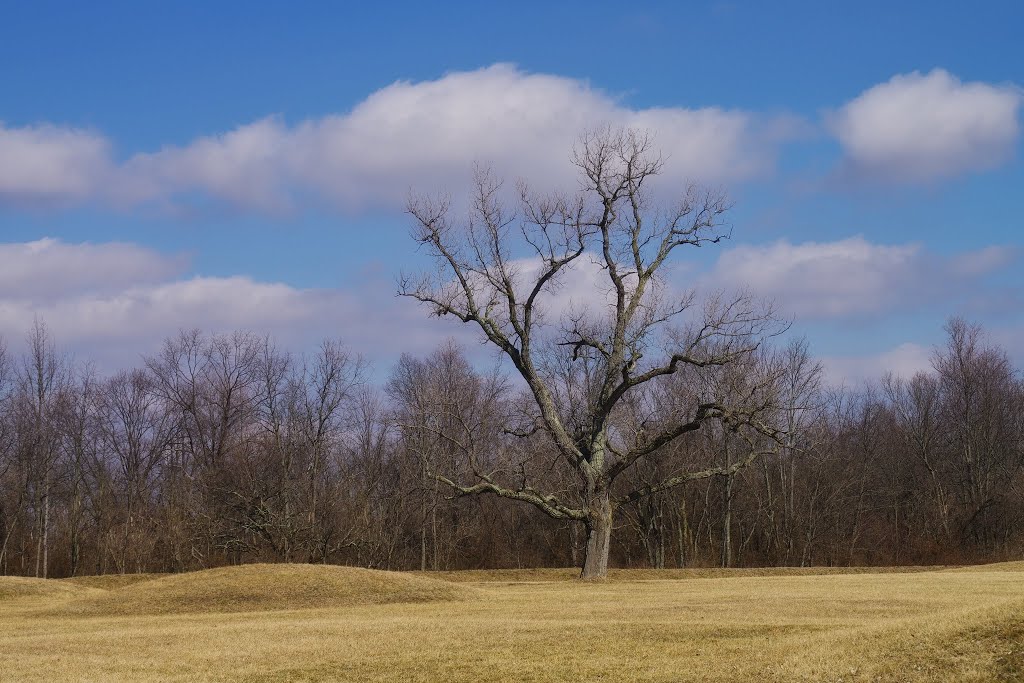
x,y
496,267
137,429
41,382
10,491
448,416
982,414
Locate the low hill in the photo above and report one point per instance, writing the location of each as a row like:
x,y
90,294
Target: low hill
x,y
1017,566
112,581
267,587
632,575
20,588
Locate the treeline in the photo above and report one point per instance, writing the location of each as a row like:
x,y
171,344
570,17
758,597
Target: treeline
x,y
227,449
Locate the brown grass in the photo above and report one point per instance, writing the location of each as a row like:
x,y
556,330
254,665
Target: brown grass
x,y
996,567
112,581
917,627
16,588
615,575
265,587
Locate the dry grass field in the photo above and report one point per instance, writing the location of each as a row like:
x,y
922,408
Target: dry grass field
x,y
306,623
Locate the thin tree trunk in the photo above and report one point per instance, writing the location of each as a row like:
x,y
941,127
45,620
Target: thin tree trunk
x,y
46,532
727,511
75,550
685,534
727,524
3,548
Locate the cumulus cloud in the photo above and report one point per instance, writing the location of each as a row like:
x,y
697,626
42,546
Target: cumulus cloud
x,y
48,163
48,269
113,302
851,277
924,127
248,166
525,124
404,135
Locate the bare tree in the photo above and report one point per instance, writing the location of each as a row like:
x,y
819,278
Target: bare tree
x,y
916,404
981,414
79,438
137,429
374,484
42,380
8,472
448,415
645,333
212,385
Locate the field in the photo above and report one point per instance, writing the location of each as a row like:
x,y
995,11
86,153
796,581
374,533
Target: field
x,y
311,623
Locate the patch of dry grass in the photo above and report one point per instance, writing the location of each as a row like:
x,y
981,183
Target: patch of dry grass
x,y
112,581
995,567
16,588
572,574
266,587
914,627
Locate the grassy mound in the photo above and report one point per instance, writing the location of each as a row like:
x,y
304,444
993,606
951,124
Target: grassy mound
x,y
632,575
993,567
112,582
18,588
269,587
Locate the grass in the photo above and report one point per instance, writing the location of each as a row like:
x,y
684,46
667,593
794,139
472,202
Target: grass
x,y
632,575
111,581
263,588
17,590
303,623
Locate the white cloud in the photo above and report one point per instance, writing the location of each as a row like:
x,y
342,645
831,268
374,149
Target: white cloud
x,y
47,163
905,360
582,286
113,302
48,269
851,277
923,127
525,124
847,279
126,323
424,135
247,166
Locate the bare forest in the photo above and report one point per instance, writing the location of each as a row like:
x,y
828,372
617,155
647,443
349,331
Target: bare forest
x,y
226,449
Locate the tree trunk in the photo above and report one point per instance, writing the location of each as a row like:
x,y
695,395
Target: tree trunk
x,y
76,551
684,532
46,532
599,534
727,511
727,523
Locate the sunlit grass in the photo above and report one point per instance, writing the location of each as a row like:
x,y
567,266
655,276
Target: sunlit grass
x,y
948,625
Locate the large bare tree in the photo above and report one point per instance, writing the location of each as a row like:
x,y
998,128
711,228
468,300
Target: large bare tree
x,y
497,267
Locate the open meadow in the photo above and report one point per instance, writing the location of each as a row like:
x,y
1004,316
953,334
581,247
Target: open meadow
x,y
309,623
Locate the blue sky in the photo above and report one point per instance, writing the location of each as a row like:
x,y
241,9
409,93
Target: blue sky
x,y
244,164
